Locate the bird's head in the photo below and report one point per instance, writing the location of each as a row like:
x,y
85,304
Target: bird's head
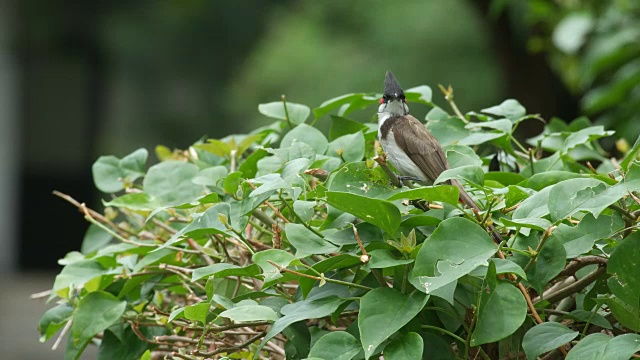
x,y
393,101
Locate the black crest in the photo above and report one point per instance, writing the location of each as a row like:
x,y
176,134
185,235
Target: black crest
x,y
392,88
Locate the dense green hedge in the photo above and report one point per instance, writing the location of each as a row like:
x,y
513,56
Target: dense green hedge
x,y
288,241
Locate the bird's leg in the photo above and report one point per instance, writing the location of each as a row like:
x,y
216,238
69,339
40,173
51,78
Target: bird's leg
x,y
408,178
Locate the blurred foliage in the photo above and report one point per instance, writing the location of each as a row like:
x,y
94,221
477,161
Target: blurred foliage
x,y
288,243
314,49
595,47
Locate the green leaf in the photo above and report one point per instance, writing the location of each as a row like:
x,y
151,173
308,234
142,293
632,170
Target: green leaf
x,y
94,239
534,206
348,147
206,223
109,171
95,312
269,183
594,346
583,136
336,345
383,258
216,147
571,196
301,310
378,212
170,183
298,113
250,313
500,314
389,307
357,178
223,270
304,209
589,317
342,126
421,94
503,266
308,135
279,257
410,346
306,242
571,32
545,337
461,155
448,130
197,312
510,109
624,265
231,182
53,320
548,264
444,193
541,180
622,347
334,262
121,343
530,223
210,176
249,166
504,178
78,273
135,201
470,173
579,239
455,248
631,155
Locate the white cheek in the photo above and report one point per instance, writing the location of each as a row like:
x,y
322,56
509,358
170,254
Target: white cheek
x,y
382,107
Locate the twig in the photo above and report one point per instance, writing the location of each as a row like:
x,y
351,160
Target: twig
x,y
543,241
364,251
298,217
229,349
445,331
318,278
273,208
382,161
41,294
94,214
64,332
448,95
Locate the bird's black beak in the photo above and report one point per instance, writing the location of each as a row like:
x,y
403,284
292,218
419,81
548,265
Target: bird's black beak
x,y
392,88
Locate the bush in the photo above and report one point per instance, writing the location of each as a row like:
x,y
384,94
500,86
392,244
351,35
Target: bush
x,y
238,248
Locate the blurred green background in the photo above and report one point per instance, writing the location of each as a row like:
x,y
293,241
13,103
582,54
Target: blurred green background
x,y
109,77
79,80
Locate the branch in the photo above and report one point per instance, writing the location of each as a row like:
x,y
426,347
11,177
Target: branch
x,y
230,348
573,288
578,263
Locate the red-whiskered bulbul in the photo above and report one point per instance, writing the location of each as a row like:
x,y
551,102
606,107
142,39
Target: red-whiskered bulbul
x,y
411,148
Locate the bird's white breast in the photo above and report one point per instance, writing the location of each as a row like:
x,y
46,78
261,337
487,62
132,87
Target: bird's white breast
x,y
395,154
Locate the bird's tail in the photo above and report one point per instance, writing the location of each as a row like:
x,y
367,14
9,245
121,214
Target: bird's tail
x,y
466,199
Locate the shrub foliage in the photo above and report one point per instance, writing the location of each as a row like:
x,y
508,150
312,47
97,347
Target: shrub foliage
x,y
285,242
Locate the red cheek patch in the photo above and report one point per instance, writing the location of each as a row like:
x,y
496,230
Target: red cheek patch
x,y
381,101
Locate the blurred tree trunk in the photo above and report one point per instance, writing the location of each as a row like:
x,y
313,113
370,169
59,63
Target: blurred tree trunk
x,y
529,77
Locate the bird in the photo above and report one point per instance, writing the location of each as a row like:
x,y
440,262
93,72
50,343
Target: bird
x,y
410,147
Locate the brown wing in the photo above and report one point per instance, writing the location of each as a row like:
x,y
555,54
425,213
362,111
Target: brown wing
x,y
421,147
